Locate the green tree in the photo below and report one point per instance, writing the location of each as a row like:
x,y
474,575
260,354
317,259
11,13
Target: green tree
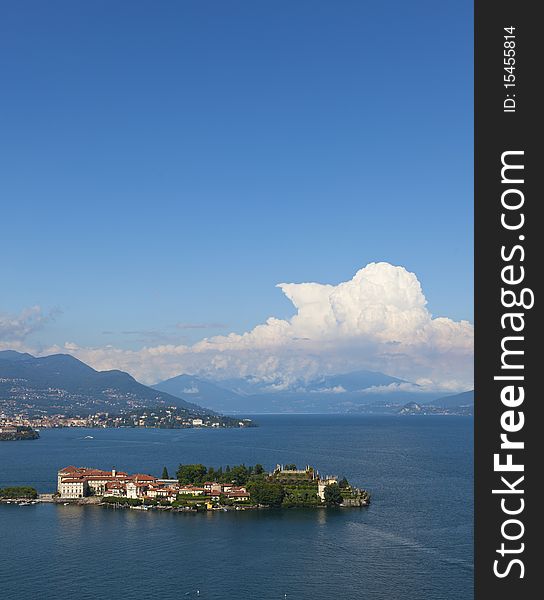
x,y
165,473
191,474
262,492
333,495
239,474
258,470
25,492
344,483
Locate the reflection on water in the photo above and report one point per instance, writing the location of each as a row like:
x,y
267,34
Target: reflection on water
x,y
413,541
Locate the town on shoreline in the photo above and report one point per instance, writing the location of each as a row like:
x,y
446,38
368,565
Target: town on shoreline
x,y
155,417
197,488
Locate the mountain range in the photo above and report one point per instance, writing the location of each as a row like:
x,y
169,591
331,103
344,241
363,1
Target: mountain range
x,y
458,404
63,384
359,391
331,393
60,383
465,399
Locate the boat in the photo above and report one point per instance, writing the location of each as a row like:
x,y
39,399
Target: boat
x,y
88,437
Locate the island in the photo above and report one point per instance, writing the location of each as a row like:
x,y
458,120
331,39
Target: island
x,y
11,433
18,493
200,488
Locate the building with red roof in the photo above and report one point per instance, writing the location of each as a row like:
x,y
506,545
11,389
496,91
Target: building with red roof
x,y
78,482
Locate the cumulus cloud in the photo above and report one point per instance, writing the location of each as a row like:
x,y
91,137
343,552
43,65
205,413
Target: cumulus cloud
x,y
377,320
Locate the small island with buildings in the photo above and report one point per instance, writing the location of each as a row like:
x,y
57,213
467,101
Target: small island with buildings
x,y
198,488
12,433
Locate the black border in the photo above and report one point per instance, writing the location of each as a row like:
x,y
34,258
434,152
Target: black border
x,y
496,132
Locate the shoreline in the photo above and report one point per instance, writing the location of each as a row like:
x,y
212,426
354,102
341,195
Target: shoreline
x,y
196,508
196,488
94,501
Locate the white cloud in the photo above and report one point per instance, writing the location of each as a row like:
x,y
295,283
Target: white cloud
x,y
14,329
378,320
337,389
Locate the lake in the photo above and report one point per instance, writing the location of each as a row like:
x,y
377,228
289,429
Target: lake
x,y
414,541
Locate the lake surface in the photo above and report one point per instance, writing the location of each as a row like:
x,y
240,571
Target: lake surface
x,y
414,541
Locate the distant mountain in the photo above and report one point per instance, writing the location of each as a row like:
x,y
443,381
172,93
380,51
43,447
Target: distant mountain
x,y
458,404
250,385
463,400
331,393
456,401
356,381
61,383
411,408
200,390
13,355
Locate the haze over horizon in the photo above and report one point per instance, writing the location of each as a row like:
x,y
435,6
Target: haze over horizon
x,y
378,320
165,167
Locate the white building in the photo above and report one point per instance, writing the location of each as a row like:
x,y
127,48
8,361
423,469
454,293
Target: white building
x,y
132,489
73,488
323,483
77,482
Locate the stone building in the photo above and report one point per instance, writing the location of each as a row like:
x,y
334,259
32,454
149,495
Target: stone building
x,y
323,483
78,482
73,487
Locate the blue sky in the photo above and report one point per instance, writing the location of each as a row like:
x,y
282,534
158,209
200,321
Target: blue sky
x,y
165,164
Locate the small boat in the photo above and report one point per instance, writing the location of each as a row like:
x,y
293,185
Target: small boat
x,y
88,437
24,503
66,503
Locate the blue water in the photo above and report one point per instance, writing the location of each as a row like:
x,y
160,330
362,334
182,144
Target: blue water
x,y
414,541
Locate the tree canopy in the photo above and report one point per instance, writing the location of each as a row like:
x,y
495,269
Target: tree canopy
x,y
198,474
333,495
263,492
25,492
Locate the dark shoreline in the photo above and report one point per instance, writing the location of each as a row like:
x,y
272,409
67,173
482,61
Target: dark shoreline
x,y
94,501
21,433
